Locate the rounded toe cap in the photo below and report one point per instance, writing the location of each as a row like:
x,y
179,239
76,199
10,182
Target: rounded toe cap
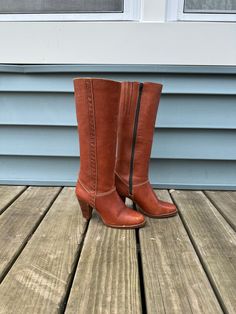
x,y
134,218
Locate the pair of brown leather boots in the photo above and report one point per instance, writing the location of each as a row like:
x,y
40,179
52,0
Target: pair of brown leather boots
x,y
116,123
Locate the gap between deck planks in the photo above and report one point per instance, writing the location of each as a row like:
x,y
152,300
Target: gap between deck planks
x,y
174,279
20,219
38,280
214,241
107,275
225,202
107,278
8,194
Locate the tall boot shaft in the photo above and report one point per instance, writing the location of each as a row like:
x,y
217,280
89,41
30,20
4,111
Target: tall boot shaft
x,y
97,112
97,107
138,108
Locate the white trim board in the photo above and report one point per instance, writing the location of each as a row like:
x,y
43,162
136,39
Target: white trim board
x,y
173,43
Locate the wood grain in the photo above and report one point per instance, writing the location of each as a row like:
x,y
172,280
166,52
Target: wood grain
x,y
215,241
8,194
18,222
225,202
174,279
106,279
38,280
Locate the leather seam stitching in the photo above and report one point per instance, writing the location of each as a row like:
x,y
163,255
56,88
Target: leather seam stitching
x,y
95,139
85,187
137,184
131,97
121,179
92,142
106,193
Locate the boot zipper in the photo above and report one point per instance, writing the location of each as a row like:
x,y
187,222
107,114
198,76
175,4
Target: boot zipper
x,y
134,139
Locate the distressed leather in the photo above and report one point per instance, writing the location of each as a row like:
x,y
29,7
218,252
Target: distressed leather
x,y
142,192
97,105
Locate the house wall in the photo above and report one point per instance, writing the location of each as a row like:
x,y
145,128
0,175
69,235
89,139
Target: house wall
x,y
154,38
194,144
195,135
145,42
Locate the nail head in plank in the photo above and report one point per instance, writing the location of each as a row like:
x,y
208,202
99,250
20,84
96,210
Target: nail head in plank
x,y
215,241
106,279
174,279
225,202
38,280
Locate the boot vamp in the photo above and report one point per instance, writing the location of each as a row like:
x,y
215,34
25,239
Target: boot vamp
x,y
146,198
114,212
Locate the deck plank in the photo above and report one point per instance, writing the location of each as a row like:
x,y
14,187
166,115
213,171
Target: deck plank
x,y
106,280
38,280
19,221
8,194
225,202
174,279
215,241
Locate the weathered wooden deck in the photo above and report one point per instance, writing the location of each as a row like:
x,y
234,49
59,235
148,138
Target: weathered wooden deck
x,y
52,261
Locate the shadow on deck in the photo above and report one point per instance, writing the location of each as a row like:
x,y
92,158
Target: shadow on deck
x,y
53,261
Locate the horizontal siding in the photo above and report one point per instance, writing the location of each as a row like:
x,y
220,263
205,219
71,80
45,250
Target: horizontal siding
x,y
167,143
172,83
195,137
26,108
186,174
175,111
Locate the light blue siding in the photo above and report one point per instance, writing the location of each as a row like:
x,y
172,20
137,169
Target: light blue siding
x,y
164,173
195,137
170,143
172,83
175,111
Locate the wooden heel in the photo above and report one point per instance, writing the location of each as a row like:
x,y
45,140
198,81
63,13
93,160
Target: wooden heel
x,y
86,209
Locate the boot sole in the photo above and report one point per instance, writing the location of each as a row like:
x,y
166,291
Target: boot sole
x,y
145,213
155,216
87,209
124,226
152,216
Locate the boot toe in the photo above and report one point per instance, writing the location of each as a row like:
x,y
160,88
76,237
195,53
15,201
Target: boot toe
x,y
138,219
168,208
133,218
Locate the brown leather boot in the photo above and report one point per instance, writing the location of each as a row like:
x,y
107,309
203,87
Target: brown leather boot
x,y
97,105
136,122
